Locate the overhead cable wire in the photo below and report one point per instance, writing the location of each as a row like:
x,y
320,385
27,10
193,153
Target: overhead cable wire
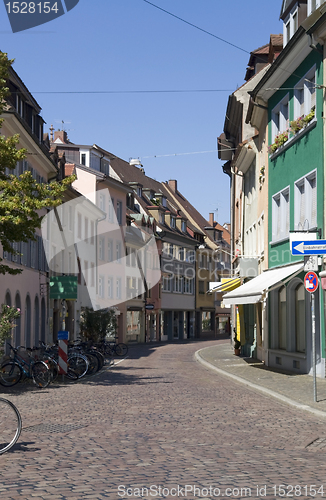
x,y
219,38
171,91
162,91
197,27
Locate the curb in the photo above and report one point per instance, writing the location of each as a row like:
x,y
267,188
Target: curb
x,y
264,390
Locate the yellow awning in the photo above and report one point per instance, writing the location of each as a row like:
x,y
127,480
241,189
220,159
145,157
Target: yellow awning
x,y
230,284
226,285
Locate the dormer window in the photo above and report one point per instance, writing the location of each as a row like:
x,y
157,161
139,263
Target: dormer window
x,y
313,5
163,201
184,226
139,191
290,25
83,158
162,218
173,222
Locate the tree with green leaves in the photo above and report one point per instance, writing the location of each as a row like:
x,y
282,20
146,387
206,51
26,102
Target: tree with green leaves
x,y
21,198
96,325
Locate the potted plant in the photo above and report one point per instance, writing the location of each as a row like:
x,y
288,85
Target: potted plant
x,y
296,125
237,345
307,119
280,139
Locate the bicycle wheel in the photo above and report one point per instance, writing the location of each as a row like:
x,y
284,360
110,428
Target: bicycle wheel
x,y
93,363
52,365
10,374
100,357
78,364
41,374
121,349
10,425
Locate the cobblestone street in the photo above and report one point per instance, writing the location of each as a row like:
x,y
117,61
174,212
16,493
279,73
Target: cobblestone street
x,y
159,418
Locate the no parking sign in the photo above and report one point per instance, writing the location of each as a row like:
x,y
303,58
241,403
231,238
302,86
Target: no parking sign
x,y
311,282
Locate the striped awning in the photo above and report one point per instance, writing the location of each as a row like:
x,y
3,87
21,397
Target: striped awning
x,y
226,285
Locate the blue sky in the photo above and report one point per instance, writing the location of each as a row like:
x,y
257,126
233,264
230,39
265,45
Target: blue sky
x,y
129,45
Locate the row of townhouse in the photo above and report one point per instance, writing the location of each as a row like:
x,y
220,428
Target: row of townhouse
x,y
273,148
119,240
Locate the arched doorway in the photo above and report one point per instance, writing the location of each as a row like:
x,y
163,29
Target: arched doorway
x,y
36,321
28,325
8,299
17,331
43,319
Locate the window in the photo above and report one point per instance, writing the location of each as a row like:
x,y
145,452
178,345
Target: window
x,y
281,215
203,260
290,25
101,286
183,226
111,210
305,202
313,5
280,117
119,212
201,287
305,94
181,253
173,222
86,229
188,285
282,318
119,253
102,202
83,158
110,288
92,232
101,249
167,282
118,288
190,256
92,274
178,284
79,226
86,272
139,192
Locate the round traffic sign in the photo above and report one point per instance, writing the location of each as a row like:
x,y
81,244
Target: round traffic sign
x,y
311,282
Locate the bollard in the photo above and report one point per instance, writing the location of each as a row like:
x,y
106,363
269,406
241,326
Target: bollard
x,y
63,352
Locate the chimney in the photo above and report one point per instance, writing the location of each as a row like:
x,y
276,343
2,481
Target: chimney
x,y
173,185
211,220
61,136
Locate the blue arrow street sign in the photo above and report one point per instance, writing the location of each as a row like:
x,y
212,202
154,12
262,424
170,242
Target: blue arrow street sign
x,y
314,247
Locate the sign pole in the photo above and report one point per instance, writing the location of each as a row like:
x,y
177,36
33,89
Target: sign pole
x,y
313,332
311,285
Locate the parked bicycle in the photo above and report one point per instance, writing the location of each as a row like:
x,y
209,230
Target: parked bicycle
x,y
11,372
77,363
112,348
10,425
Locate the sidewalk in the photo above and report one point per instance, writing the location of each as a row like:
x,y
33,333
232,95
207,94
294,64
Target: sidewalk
x,y
293,389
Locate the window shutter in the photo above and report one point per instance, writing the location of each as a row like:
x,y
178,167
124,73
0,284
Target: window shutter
x,y
302,205
313,185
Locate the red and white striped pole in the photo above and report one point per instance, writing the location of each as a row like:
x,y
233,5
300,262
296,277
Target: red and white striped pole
x,y
63,351
63,356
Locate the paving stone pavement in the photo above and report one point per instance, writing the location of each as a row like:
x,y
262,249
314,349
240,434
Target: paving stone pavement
x,y
159,418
